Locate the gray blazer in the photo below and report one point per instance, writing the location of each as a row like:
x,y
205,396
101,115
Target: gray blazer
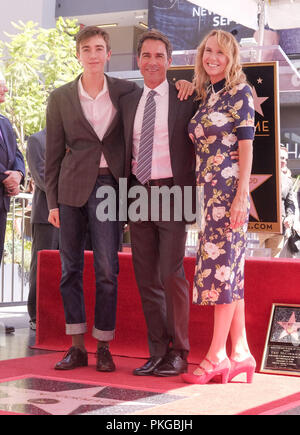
x,y
35,155
73,149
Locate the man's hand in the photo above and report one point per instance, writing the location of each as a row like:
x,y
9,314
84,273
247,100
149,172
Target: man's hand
x,y
234,155
185,89
53,217
288,221
12,182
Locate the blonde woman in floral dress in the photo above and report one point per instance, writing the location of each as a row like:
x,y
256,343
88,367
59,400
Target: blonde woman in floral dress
x,y
223,123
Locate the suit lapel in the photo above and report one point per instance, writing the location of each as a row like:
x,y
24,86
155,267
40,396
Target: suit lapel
x,y
114,100
111,89
2,144
3,137
129,117
173,110
77,105
8,142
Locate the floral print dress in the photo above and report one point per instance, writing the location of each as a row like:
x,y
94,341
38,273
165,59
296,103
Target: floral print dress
x,y
221,120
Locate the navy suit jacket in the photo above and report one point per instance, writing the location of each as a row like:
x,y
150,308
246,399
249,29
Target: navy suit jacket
x,y
11,158
35,155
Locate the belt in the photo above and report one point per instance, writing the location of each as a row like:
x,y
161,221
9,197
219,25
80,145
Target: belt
x,y
159,182
104,171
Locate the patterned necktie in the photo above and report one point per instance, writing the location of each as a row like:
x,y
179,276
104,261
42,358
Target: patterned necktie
x,y
144,164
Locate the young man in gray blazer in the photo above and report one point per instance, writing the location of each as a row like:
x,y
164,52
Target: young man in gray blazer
x,y
158,246
84,151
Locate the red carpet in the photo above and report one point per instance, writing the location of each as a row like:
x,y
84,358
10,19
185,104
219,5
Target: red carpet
x,y
268,395
286,405
43,365
267,281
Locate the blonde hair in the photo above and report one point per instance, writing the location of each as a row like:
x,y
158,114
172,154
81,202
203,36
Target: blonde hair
x,y
234,74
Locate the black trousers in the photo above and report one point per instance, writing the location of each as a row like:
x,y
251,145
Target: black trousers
x,y
158,250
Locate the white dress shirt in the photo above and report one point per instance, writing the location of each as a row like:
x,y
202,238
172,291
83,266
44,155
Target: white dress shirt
x,y
161,161
98,111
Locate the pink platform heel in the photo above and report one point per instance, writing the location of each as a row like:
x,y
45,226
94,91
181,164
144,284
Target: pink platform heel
x,y
222,368
247,366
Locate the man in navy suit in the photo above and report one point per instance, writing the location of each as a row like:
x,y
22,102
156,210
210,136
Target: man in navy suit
x,y
12,168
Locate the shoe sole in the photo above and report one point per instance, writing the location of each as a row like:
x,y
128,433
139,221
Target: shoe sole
x,y
72,368
143,374
167,375
106,370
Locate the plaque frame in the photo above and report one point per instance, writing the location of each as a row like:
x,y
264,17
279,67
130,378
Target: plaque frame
x,y
283,343
265,180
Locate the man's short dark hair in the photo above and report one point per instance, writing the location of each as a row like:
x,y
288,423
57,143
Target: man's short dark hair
x,y
90,31
156,36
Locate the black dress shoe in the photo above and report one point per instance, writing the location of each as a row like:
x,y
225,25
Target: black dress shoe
x,y
74,358
9,330
149,367
172,365
104,360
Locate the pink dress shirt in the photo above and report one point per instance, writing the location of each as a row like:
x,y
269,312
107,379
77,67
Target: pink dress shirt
x,y
161,162
99,112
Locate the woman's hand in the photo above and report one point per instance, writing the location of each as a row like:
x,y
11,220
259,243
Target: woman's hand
x,y
239,206
239,211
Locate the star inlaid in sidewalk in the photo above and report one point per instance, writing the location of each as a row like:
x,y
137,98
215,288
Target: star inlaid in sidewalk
x,y
48,396
57,403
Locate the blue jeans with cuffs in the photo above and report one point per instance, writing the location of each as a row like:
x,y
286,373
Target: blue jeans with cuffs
x,y
105,238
